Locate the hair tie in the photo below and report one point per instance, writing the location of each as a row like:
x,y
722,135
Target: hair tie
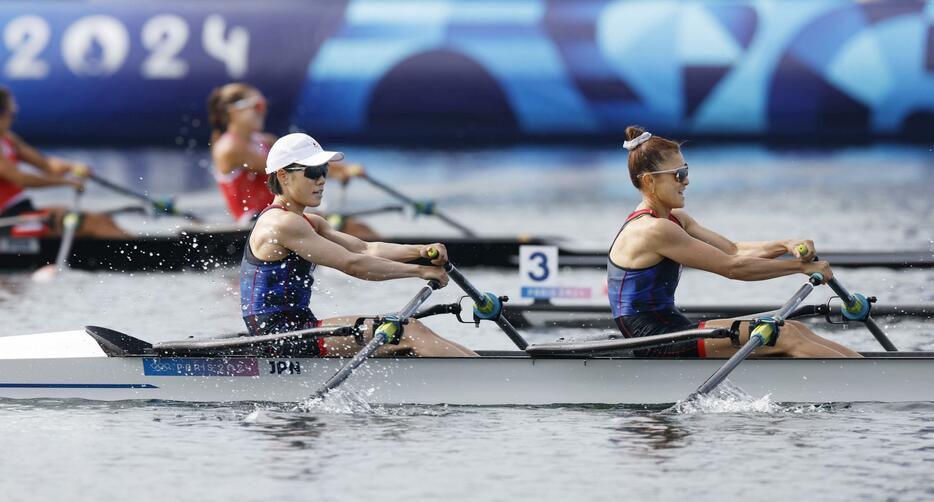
x,y
632,144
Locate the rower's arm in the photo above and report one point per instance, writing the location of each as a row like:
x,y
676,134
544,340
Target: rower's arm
x,y
342,173
229,156
671,241
764,249
9,172
387,250
298,236
51,165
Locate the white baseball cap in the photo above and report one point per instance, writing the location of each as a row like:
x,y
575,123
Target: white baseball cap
x,y
298,148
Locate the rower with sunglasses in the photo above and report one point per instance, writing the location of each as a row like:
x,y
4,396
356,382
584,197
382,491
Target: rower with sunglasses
x,y
286,245
239,145
659,237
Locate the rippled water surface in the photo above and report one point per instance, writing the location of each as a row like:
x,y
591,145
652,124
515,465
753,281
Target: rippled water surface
x,y
856,198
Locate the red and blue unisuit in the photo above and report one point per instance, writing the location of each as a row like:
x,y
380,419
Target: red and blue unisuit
x,y
274,295
643,301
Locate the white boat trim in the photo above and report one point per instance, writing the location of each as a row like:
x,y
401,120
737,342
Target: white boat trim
x,y
501,378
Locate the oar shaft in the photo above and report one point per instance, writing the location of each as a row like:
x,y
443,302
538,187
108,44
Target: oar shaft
x,y
158,206
480,300
852,302
410,308
380,337
408,200
69,228
794,301
759,336
371,211
348,369
120,189
390,190
731,364
466,231
880,335
462,281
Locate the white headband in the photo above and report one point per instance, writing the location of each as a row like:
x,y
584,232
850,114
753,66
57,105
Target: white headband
x,y
642,138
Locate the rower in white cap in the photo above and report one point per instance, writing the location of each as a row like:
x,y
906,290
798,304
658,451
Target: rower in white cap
x,y
286,246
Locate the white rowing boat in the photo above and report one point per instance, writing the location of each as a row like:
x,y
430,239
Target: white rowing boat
x,y
100,364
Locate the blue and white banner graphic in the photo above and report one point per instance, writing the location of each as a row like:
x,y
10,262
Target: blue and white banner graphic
x,y
109,71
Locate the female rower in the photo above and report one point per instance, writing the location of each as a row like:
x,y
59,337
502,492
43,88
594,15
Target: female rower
x,y
53,172
659,237
286,245
237,113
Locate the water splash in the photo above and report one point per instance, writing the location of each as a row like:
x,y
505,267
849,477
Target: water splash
x,y
344,401
726,398
341,401
730,398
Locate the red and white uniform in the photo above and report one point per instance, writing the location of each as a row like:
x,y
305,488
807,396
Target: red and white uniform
x,y
245,191
10,193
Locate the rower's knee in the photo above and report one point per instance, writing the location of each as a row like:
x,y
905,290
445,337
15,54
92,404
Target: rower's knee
x,y
798,325
791,341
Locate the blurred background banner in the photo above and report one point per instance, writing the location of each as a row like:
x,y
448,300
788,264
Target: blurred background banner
x,y
106,72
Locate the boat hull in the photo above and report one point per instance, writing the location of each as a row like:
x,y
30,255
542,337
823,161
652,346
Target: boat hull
x,y
489,380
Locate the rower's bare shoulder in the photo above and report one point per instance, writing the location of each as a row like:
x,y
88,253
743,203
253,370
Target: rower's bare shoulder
x,y
683,216
660,229
284,220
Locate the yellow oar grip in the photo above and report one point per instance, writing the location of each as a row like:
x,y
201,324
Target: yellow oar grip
x,y
802,249
390,330
764,332
433,253
70,219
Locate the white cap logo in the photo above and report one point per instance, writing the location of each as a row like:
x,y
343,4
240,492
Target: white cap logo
x,y
298,148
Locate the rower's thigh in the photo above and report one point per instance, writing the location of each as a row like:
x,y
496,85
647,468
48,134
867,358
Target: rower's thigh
x,y
723,347
344,346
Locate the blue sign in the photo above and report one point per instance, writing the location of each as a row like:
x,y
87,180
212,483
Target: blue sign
x,y
186,366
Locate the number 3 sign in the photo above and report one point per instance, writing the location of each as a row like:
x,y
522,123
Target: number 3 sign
x,y
538,266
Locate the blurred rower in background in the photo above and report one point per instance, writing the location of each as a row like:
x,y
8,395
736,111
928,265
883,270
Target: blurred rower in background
x,y
52,171
239,146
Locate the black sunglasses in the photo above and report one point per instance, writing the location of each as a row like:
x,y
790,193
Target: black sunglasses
x,y
311,172
681,173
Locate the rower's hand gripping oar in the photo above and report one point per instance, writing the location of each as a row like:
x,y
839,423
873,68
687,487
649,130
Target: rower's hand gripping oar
x,y
487,306
856,307
426,208
159,206
389,331
764,331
